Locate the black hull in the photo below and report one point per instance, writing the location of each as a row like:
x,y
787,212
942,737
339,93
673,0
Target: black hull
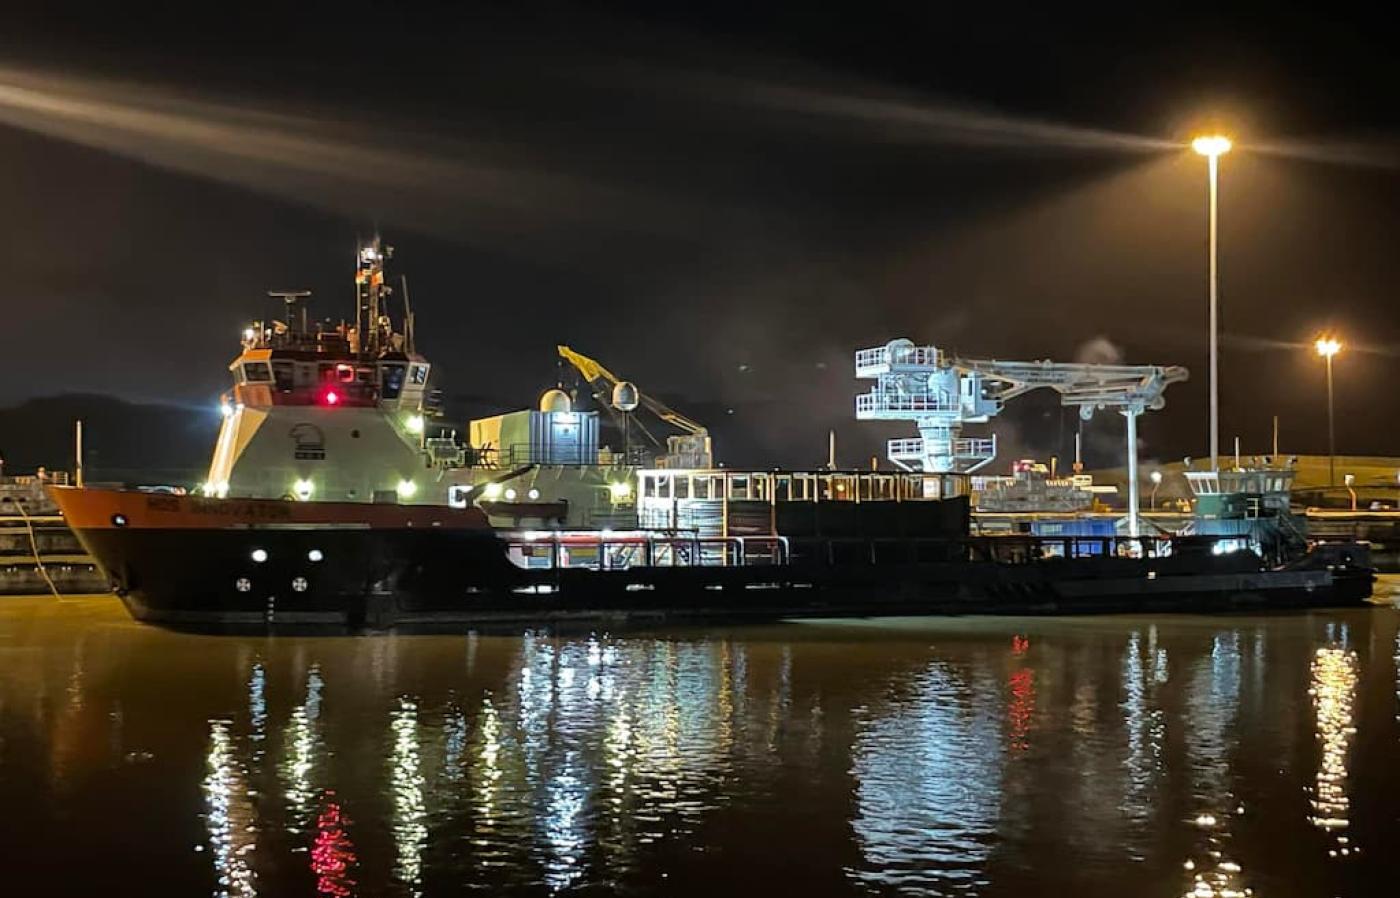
x,y
371,578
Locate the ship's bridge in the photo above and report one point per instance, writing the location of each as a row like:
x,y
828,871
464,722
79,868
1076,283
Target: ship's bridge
x,y
291,360
330,377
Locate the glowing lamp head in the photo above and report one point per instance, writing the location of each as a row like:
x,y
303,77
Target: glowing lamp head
x,y
330,397
414,423
406,489
226,410
303,489
492,490
1212,145
1328,346
620,490
249,334
1156,476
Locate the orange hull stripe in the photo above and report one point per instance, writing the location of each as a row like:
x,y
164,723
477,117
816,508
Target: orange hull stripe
x,y
93,509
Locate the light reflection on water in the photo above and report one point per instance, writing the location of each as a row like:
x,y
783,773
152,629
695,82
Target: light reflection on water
x,y
1334,678
301,741
960,757
928,771
406,783
1211,866
229,816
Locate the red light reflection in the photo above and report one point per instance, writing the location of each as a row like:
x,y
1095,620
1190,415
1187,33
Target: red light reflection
x,y
333,854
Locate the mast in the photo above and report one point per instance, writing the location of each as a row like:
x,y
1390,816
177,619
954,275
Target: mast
x,y
407,315
294,309
370,293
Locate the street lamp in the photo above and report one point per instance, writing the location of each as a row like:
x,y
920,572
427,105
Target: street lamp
x,y
1156,477
1328,347
1213,147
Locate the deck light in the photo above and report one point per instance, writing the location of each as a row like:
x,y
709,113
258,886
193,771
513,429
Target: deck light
x,y
406,489
414,423
302,489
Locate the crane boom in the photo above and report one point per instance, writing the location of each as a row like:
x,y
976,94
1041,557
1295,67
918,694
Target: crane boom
x,y
942,393
594,372
691,450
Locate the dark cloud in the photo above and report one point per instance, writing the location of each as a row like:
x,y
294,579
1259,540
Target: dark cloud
x,y
682,194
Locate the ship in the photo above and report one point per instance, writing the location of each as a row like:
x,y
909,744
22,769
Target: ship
x,y
338,496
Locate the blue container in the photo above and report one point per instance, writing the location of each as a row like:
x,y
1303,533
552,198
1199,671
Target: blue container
x,y
1075,527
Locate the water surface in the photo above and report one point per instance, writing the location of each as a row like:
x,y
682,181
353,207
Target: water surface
x,y
960,756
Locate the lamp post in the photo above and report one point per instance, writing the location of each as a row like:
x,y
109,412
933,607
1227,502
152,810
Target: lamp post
x,y
1213,147
1156,482
1328,347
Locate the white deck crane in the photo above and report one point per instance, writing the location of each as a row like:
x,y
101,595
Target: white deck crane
x,y
942,393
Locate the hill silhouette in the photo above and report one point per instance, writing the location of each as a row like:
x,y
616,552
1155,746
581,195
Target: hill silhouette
x,y
123,441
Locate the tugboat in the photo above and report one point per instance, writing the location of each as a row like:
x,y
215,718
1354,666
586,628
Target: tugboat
x,y
335,498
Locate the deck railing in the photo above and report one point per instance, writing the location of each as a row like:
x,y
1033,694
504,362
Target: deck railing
x,y
607,551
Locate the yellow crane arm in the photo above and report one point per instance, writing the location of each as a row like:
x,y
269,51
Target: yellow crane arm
x,y
591,370
594,372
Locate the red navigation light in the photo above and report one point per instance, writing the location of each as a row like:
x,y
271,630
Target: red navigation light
x,y
330,397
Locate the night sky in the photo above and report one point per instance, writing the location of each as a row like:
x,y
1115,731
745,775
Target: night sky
x,y
721,204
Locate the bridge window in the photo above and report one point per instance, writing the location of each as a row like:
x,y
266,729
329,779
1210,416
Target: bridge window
x,y
282,374
418,375
257,372
393,381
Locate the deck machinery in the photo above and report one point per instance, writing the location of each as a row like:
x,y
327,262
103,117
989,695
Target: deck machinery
x,y
941,393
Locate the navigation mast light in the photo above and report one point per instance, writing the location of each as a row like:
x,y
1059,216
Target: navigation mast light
x,y
1328,346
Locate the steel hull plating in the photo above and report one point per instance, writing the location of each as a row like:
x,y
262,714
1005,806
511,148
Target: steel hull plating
x,y
196,577
378,579
200,563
